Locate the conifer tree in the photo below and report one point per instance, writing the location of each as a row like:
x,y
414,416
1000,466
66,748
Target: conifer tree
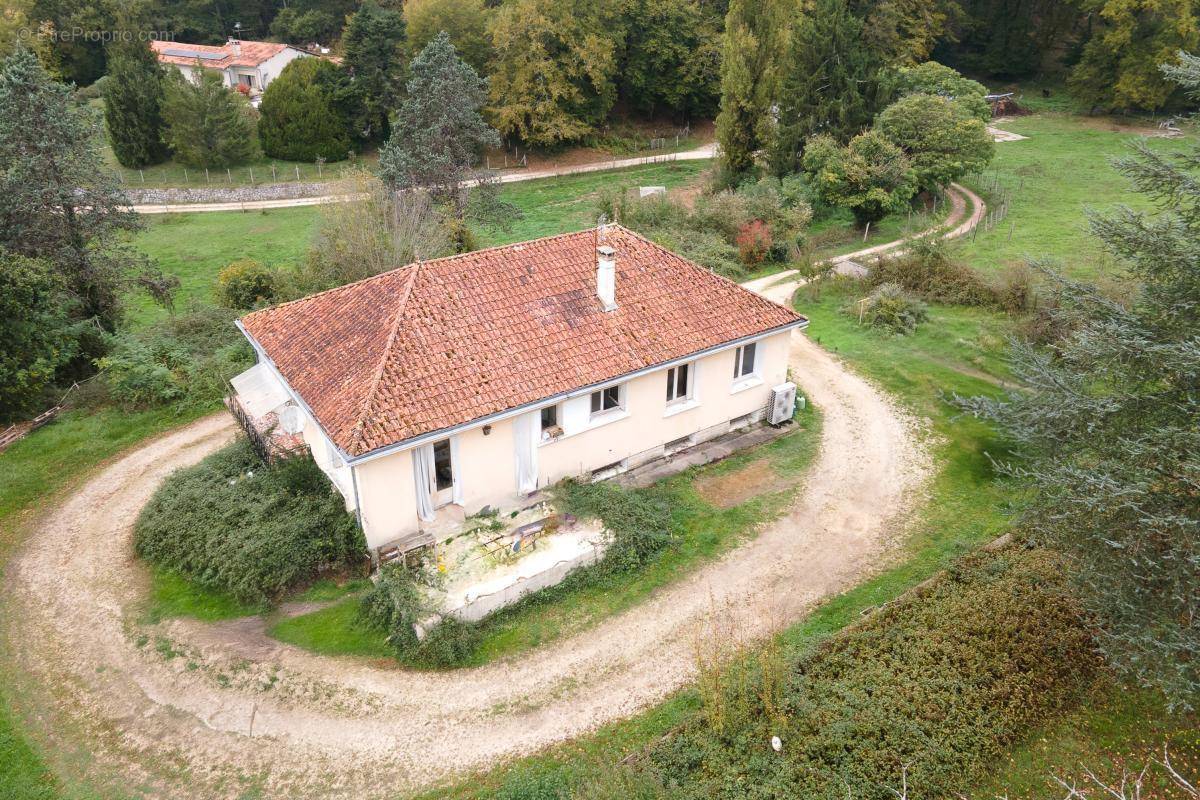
x,y
829,85
133,97
756,36
207,125
374,48
300,116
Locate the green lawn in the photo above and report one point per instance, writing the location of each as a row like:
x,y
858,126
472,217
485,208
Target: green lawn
x,y
195,247
170,174
702,530
1063,168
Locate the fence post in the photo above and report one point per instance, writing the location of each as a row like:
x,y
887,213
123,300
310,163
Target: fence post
x,y
297,173
274,178
252,176
207,179
185,177
143,177
229,175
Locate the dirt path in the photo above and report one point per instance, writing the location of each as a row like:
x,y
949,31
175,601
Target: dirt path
x,y
194,710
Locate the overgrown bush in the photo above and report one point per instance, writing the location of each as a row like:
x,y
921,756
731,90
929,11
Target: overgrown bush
x,y
397,603
235,525
754,242
186,359
890,308
941,683
246,283
928,269
639,520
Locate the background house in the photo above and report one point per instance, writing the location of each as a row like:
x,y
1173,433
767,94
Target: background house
x,y
250,64
438,389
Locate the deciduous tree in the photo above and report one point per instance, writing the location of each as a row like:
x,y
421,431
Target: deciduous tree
x,y
942,138
466,21
934,78
207,125
870,176
756,40
554,70
35,333
671,58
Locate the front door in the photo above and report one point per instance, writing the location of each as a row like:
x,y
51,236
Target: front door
x,y
442,488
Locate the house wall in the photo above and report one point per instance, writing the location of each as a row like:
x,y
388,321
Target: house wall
x,y
269,70
486,465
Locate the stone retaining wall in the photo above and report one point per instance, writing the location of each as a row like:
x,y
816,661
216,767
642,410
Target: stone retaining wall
x,y
228,194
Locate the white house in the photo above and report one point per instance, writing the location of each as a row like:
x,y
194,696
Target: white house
x,y
443,387
252,65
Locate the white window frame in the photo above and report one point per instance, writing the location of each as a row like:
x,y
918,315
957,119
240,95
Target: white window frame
x,y
602,412
674,397
543,430
742,378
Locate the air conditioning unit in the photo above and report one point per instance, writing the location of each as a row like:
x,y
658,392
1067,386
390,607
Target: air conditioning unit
x,y
782,404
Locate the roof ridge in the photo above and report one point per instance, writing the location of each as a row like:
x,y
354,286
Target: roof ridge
x,y
332,289
356,433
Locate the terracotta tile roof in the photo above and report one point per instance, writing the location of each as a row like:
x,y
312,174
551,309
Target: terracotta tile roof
x,y
439,343
252,53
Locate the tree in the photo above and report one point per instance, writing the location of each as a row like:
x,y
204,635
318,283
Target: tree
x,y
870,176
57,200
133,97
14,18
466,21
553,79
314,25
1017,38
934,78
74,58
905,31
299,116
1107,430
207,125
440,133
939,135
1119,69
672,57
374,47
755,44
36,339
829,83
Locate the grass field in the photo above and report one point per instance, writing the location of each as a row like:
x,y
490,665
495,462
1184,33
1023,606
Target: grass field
x,y
1063,168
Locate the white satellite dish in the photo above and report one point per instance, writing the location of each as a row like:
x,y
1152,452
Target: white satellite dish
x,y
291,419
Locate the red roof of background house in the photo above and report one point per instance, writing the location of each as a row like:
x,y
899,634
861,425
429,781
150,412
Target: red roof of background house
x,y
251,53
439,343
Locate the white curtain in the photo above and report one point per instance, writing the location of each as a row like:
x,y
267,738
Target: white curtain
x,y
526,432
422,458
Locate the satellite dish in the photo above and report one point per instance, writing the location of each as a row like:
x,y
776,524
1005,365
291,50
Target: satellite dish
x,y
291,419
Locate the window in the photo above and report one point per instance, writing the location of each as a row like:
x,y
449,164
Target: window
x,y
679,383
246,80
550,422
744,360
606,400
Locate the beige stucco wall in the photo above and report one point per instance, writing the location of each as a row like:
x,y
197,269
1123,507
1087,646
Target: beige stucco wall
x,y
486,465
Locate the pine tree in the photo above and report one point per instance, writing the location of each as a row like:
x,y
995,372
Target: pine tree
x,y
829,85
207,125
755,45
133,97
1107,427
374,47
57,201
439,131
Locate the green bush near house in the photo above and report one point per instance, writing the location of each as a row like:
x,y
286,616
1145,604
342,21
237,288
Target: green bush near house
x,y
246,283
889,308
251,531
933,690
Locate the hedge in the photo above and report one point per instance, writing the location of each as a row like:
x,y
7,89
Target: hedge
x,y
233,525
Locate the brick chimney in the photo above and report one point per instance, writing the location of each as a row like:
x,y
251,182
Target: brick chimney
x,y
236,45
606,277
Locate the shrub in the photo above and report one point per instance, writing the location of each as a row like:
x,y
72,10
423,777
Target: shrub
x,y
754,242
397,603
928,270
1015,291
234,525
941,682
638,520
246,283
186,359
890,308
300,117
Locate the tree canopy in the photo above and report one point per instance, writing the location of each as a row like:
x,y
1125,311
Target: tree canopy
x,y
870,176
133,97
942,138
207,125
300,116
374,52
465,21
934,78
